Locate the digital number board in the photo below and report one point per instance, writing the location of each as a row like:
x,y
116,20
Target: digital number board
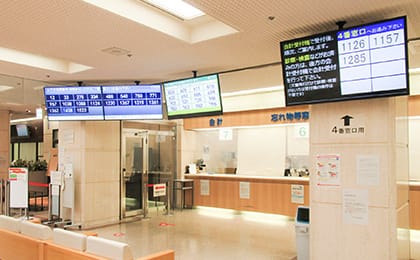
x,y
132,102
74,103
359,62
193,97
103,102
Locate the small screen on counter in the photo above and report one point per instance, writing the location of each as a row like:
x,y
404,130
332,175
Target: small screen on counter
x,y
302,215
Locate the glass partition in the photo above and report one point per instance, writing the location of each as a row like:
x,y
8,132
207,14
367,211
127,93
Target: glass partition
x,y
252,151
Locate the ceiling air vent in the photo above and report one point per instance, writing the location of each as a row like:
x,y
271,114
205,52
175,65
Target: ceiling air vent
x,y
116,51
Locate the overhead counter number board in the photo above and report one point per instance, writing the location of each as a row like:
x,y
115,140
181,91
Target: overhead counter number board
x,y
198,96
132,102
104,102
372,58
359,62
74,103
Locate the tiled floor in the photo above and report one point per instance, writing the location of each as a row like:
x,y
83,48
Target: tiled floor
x,y
203,234
215,234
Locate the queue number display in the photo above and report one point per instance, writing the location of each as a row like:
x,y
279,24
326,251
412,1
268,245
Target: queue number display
x,y
132,102
359,62
372,57
104,102
74,103
193,97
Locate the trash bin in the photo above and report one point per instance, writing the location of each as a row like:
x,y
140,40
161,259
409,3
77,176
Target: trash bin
x,y
302,233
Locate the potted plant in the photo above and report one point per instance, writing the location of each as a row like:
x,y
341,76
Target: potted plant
x,y
32,165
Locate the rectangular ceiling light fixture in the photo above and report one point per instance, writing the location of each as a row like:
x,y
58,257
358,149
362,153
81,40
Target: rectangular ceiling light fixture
x,y
41,62
178,8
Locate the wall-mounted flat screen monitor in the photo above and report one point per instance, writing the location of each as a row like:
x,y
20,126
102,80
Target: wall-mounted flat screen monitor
x,y
132,102
199,96
364,61
22,130
74,103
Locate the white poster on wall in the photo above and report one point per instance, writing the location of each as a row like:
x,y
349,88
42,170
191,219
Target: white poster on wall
x,y
244,190
355,206
328,170
56,178
204,187
368,170
297,193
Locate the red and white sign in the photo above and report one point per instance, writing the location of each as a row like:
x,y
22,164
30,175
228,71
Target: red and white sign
x,y
18,178
159,189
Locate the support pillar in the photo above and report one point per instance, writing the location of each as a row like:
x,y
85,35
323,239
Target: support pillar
x,y
359,180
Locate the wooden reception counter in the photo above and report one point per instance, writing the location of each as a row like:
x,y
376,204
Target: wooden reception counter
x,y
278,195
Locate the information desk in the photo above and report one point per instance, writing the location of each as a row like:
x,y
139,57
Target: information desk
x,y
277,195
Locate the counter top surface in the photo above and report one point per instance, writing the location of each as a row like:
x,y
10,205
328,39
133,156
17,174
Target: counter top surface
x,y
415,183
236,176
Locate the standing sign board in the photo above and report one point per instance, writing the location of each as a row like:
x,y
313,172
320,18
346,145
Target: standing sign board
x,y
18,178
159,190
56,182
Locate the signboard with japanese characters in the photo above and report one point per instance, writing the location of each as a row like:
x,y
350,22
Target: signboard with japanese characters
x,y
353,63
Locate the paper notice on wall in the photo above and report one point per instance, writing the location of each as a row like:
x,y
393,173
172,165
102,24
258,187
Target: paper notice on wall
x,y
56,178
297,193
204,187
55,190
368,170
355,206
244,190
328,170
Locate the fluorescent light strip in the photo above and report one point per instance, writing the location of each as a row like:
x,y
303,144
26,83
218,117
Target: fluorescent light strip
x,y
178,8
24,119
5,88
42,62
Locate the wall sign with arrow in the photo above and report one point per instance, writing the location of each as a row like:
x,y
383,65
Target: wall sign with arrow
x,y
347,128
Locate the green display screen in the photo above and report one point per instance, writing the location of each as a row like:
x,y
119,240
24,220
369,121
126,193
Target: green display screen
x,y
193,97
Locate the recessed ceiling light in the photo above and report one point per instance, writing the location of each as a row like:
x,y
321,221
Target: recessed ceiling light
x,y
178,8
38,61
5,88
148,14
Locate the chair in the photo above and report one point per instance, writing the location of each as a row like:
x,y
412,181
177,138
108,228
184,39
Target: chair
x,y
69,239
9,223
37,231
108,248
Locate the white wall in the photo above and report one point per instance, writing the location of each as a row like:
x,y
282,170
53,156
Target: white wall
x,y
414,147
262,151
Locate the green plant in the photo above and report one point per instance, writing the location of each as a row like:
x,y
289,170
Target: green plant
x,y
32,165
